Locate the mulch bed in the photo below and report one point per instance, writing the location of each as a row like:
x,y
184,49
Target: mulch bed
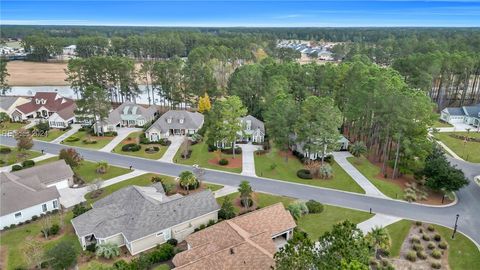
x,y
232,162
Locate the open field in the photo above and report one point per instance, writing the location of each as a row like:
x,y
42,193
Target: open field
x,y
23,73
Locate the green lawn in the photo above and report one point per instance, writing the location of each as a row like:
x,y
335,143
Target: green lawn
x,y
162,267
213,187
262,199
398,231
439,124
287,171
51,135
462,253
317,224
201,156
101,141
45,161
14,240
468,151
141,153
9,126
15,156
371,171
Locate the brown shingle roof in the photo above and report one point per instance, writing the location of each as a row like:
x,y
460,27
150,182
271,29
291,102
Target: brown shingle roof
x,y
54,102
244,242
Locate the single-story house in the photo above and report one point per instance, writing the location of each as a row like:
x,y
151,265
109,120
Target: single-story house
x,y
466,114
128,114
42,106
142,217
53,174
63,118
253,130
24,197
175,122
248,241
342,145
69,50
9,103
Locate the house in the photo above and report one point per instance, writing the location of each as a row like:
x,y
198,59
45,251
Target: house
x,y
469,115
53,174
341,145
128,114
42,106
22,198
9,103
63,118
142,217
69,50
248,241
253,130
175,122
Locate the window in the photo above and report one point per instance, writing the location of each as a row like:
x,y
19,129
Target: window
x,y
18,215
55,204
44,207
181,120
169,120
159,234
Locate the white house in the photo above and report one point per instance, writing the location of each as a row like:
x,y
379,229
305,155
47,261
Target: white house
x,y
175,122
22,198
341,145
42,106
253,130
69,50
141,218
63,118
469,115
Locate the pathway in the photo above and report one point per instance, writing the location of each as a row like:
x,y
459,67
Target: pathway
x,y
172,148
248,158
37,159
70,132
122,133
362,181
226,190
378,220
457,127
72,196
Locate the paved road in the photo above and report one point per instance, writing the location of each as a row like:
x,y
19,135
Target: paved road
x,y
468,205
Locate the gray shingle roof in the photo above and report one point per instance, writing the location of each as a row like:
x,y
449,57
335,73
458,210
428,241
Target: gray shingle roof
x,y
140,211
455,111
129,108
6,102
472,111
49,173
255,123
19,193
191,120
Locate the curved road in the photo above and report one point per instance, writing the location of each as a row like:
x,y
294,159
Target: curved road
x,y
468,205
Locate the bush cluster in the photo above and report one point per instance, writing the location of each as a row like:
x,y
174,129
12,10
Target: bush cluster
x,y
223,162
152,149
314,207
304,174
422,255
72,138
146,260
436,265
443,245
411,256
89,141
426,237
5,150
28,163
53,230
110,134
212,148
437,254
79,209
164,142
131,147
437,237
229,151
16,167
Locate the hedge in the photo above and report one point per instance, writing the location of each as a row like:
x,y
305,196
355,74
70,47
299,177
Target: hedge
x,y
229,151
131,147
28,163
5,150
304,174
16,167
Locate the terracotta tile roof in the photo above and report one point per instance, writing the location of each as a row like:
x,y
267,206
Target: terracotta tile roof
x,y
54,102
244,242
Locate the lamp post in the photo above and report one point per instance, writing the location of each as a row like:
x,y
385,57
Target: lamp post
x,y
455,227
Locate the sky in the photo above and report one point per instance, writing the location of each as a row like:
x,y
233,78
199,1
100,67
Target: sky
x,y
244,13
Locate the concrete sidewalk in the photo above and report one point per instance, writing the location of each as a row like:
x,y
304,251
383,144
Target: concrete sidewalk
x,y
378,220
362,181
122,133
73,130
40,158
226,190
172,149
248,158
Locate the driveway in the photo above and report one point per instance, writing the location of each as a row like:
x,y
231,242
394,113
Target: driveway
x,y
248,158
73,130
172,148
457,127
468,205
122,133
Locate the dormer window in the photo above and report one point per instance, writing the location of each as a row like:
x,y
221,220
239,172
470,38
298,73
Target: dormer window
x,y
44,101
37,101
169,120
249,124
180,120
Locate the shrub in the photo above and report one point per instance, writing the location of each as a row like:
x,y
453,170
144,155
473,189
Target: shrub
x,y
431,228
314,207
89,141
418,223
162,253
422,255
172,241
156,179
223,162
328,159
28,163
108,250
79,209
131,147
72,138
436,265
304,174
229,151
143,139
411,256
250,202
426,237
91,247
110,134
297,209
43,126
34,217
443,245
431,245
212,148
417,247
54,229
227,211
420,230
164,142
62,256
437,237
415,239
437,254
5,150
201,227
210,222
16,167
152,149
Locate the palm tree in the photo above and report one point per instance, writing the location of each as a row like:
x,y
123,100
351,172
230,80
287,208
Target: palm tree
x,y
358,149
245,193
187,180
102,167
379,239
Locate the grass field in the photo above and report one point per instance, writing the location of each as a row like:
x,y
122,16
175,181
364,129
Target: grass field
x,y
317,224
9,127
141,153
51,135
101,141
371,171
262,199
201,156
469,151
439,124
287,171
398,231
15,156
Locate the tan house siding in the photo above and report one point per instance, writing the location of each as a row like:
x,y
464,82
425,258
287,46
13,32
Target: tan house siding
x,y
181,231
148,242
115,239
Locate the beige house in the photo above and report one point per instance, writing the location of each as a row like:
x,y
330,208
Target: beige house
x,y
175,122
141,218
8,104
248,241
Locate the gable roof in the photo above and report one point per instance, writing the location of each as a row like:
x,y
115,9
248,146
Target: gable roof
x,y
18,193
67,113
49,173
140,211
7,101
473,111
244,242
129,110
191,120
255,123
454,111
53,102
